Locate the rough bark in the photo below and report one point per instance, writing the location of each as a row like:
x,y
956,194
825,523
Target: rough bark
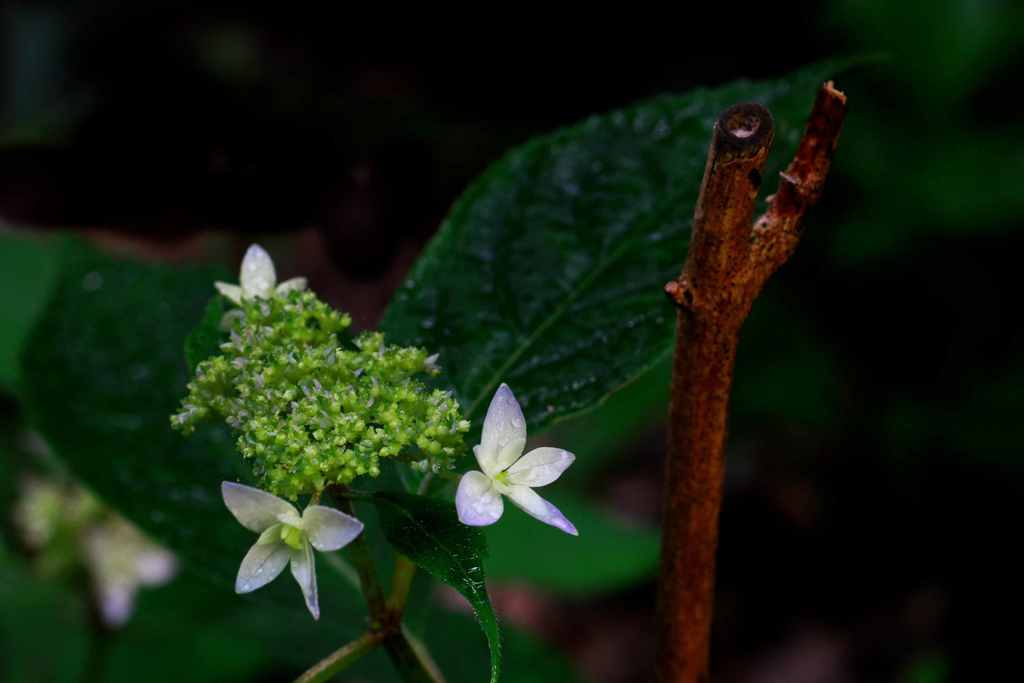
x,y
728,262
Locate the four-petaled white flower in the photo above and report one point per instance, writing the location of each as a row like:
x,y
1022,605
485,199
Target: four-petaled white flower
x,y
121,560
258,279
285,537
506,471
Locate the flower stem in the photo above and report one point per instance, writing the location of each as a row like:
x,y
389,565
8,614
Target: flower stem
x,y
401,582
343,569
363,562
342,658
413,662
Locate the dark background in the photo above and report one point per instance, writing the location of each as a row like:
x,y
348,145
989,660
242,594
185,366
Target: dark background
x,y
875,456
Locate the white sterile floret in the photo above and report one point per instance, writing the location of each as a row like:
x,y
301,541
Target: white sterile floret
x,y
258,279
507,472
121,560
286,537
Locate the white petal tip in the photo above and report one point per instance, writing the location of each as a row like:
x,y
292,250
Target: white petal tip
x,y
255,251
559,521
229,291
296,284
476,521
257,276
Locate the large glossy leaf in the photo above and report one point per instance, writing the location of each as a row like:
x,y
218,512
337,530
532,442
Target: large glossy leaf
x,y
102,371
429,533
548,272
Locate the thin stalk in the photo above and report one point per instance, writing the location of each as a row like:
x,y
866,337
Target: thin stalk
x,y
343,569
342,658
363,561
401,582
413,663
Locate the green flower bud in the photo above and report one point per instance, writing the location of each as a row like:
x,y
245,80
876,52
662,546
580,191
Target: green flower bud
x,y
311,407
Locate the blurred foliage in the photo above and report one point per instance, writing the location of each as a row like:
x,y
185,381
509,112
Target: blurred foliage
x,y
43,636
608,555
937,120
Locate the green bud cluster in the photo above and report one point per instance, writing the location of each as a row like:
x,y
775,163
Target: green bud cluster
x,y
313,407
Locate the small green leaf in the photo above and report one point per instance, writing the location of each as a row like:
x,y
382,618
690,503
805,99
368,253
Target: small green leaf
x,y
429,533
205,340
548,273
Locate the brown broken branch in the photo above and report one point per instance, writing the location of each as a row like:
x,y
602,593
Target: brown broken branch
x,y
727,264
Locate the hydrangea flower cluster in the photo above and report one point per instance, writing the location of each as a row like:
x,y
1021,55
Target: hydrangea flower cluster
x,y
313,406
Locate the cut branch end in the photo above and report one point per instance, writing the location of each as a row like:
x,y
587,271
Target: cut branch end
x,y
727,264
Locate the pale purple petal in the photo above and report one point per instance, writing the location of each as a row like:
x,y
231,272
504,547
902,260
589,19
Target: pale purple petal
x,y
155,566
232,292
477,501
329,529
504,433
254,509
264,561
257,276
540,467
295,284
304,571
116,601
535,506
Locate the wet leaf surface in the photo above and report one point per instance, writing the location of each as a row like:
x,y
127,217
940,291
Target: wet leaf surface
x,y
548,272
429,533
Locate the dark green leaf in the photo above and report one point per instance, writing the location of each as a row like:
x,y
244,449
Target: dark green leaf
x,y
429,533
205,340
103,371
28,271
599,437
548,272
